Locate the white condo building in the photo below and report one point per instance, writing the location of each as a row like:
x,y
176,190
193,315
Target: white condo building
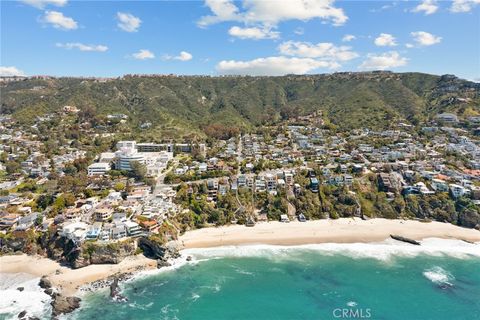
x,y
98,169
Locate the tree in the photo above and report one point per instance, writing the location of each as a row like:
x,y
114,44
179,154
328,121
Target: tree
x,y
119,186
44,201
139,170
12,167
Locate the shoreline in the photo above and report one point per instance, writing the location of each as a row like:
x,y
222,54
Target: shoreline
x,y
346,230
69,281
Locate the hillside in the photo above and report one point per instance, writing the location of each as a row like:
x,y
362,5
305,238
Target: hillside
x,y
352,100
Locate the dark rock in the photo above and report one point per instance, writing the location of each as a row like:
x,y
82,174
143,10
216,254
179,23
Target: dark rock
x,y
403,239
469,218
189,258
20,289
45,283
13,245
115,291
33,318
49,291
22,314
162,263
152,249
63,305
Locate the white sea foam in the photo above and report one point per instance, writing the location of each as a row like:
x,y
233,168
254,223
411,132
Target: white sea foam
x,y
195,296
438,275
351,304
175,264
32,299
384,250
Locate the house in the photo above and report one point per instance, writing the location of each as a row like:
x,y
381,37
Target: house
x,y
260,185
94,232
119,231
9,221
76,231
447,118
202,167
348,180
148,225
297,189
98,169
439,185
386,182
457,190
288,176
103,213
27,221
242,181
314,184
271,183
133,229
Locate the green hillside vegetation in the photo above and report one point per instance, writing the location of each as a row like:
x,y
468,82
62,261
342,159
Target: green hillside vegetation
x,y
190,104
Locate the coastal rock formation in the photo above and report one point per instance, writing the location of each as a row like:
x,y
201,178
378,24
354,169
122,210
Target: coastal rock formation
x,y
470,219
115,291
77,256
404,239
154,249
12,245
63,305
24,316
45,283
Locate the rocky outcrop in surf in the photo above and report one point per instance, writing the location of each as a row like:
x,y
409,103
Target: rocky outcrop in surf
x,y
404,239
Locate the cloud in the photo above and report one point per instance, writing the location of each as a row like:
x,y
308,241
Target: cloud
x,y
383,61
143,54
10,71
253,33
128,22
40,4
270,13
299,31
385,40
423,38
59,21
384,7
459,6
182,56
273,66
348,38
322,50
82,47
427,6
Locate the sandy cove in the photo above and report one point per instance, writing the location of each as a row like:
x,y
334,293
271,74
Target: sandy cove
x,y
67,280
346,230
275,233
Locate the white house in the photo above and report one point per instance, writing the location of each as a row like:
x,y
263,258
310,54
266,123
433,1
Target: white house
x,y
98,169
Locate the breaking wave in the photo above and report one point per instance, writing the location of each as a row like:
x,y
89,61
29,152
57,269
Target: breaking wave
x,y
384,251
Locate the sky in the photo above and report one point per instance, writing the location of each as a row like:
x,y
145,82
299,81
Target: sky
x,y
223,37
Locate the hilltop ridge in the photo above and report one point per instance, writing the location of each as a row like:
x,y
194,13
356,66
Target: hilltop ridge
x,y
349,99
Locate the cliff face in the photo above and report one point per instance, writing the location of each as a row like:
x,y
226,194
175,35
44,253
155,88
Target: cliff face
x,y
93,253
63,250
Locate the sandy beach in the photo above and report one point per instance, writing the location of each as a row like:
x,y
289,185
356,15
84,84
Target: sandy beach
x,y
274,233
70,280
323,231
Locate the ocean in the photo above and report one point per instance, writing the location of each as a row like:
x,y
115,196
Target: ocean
x,y
388,280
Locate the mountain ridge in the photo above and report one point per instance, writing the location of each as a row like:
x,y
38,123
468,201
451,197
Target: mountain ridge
x,y
351,100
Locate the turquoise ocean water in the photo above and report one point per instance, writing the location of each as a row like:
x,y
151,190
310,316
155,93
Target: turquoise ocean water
x,y
356,281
